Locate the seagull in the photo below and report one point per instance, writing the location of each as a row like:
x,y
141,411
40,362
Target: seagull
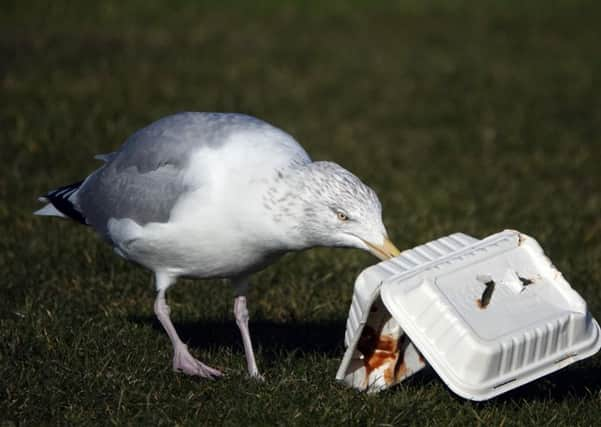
x,y
218,195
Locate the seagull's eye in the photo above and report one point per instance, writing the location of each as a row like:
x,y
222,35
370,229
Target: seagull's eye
x,y
341,216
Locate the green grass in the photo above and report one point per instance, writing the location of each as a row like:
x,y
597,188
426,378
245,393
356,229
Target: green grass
x,y
464,116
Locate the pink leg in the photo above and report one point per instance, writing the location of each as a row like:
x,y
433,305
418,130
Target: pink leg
x,y
241,314
183,361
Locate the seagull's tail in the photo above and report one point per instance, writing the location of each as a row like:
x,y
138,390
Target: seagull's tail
x,y
60,202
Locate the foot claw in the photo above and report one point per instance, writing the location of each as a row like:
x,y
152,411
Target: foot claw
x,y
184,362
257,377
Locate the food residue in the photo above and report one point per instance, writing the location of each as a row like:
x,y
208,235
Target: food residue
x,y
382,351
484,300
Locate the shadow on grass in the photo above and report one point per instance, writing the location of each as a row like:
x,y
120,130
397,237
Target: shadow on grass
x,y
578,381
325,337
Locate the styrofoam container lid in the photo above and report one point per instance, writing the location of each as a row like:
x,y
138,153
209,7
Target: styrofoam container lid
x,y
492,316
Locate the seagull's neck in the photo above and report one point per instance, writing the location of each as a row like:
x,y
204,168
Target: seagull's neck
x,y
286,206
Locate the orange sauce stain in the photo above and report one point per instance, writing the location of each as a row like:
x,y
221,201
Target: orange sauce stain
x,y
381,350
401,371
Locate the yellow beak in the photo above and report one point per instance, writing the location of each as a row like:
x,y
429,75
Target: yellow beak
x,y
385,251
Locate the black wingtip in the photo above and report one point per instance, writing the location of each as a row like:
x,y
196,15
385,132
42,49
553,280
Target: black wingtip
x,y
60,200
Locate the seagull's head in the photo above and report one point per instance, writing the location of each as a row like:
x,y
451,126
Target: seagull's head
x,y
339,210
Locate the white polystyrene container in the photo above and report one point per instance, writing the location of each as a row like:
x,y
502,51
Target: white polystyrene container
x,y
534,322
429,304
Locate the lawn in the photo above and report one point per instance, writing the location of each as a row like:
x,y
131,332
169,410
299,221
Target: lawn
x,y
463,116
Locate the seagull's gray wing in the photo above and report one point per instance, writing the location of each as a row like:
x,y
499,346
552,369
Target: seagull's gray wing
x,y
142,197
143,180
